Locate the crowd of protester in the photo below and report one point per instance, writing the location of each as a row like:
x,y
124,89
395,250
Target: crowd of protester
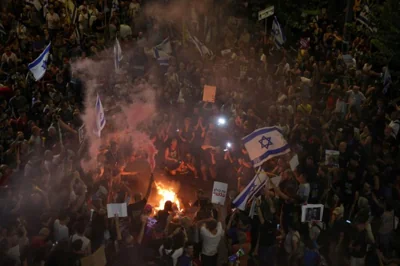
x,y
52,212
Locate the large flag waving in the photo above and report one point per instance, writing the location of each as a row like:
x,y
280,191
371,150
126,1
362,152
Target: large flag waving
x,y
251,190
39,66
100,118
264,144
117,54
162,52
277,34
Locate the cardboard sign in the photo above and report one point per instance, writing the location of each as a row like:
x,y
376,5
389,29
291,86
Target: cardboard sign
x,y
294,162
209,93
219,193
98,258
117,208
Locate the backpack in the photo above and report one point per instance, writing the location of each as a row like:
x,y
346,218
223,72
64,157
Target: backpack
x,y
166,258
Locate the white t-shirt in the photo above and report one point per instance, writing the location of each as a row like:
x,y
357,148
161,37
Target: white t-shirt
x,y
175,256
211,241
52,20
61,232
85,240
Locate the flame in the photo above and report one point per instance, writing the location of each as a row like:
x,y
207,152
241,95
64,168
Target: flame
x,y
166,194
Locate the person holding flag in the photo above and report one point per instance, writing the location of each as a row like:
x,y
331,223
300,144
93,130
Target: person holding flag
x,y
262,144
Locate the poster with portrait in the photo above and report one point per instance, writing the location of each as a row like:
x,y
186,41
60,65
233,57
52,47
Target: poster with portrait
x,y
332,158
312,212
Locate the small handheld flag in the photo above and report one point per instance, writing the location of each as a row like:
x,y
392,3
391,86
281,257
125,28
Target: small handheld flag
x,y
100,118
39,66
162,52
277,34
264,144
117,55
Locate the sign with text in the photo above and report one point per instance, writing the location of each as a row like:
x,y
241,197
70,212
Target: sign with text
x,y
219,193
265,13
209,93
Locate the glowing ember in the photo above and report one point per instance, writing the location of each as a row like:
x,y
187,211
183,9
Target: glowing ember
x,y
166,194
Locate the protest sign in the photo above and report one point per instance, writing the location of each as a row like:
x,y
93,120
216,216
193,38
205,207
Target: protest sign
x,y
117,208
275,180
219,193
312,212
209,93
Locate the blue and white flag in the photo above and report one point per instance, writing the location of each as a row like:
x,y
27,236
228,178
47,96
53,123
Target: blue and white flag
x,y
264,144
162,52
364,19
203,50
387,80
100,117
277,34
255,185
39,66
117,54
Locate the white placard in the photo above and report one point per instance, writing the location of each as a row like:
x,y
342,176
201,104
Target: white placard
x,y
219,193
312,212
294,162
209,93
265,13
117,208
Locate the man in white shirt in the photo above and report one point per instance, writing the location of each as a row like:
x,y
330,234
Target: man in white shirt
x,y
61,231
53,21
211,232
355,98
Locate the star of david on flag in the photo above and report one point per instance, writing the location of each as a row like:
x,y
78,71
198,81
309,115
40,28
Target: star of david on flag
x,y
39,66
264,144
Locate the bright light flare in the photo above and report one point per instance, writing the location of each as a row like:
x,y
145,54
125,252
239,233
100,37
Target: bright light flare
x,y
221,121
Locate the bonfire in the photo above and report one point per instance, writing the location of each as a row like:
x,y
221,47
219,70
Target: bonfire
x,y
166,194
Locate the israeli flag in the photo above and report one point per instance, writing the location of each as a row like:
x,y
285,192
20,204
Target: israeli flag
x,y
364,20
100,118
277,34
162,52
117,55
39,66
264,144
258,182
2,30
387,80
203,50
